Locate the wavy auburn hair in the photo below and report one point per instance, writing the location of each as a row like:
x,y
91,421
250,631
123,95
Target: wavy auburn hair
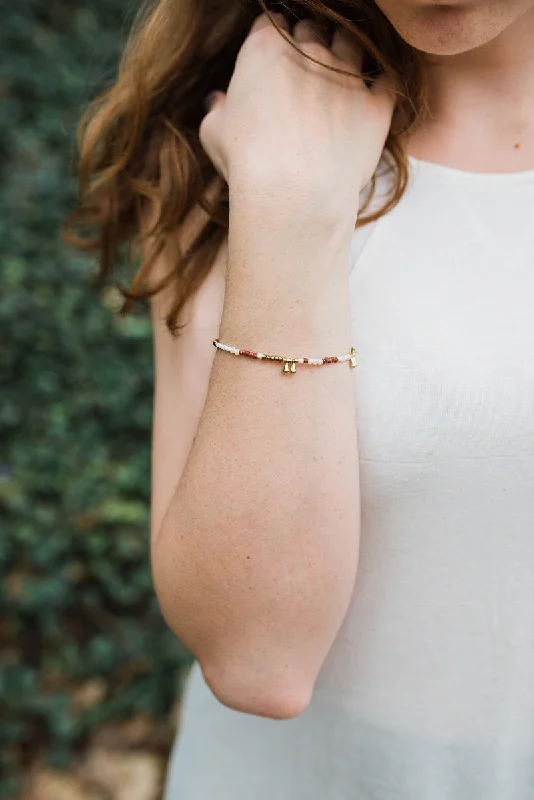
x,y
140,156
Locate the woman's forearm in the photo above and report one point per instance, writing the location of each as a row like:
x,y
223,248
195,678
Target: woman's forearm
x,y
255,562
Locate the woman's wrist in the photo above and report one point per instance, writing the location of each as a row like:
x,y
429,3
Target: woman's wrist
x,y
290,208
281,301
276,248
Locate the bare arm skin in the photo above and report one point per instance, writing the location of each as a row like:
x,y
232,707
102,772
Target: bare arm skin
x,y
256,497
182,371
255,558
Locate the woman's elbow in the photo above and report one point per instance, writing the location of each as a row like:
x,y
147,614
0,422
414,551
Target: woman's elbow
x,y
275,696
243,685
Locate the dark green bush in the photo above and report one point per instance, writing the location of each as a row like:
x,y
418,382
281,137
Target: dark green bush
x,y
75,414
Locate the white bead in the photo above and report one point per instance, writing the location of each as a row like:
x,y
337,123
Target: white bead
x,y
260,355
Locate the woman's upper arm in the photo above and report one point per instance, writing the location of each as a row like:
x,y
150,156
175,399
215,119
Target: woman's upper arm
x,y
182,372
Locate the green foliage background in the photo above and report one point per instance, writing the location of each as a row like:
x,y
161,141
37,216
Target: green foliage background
x,y
75,413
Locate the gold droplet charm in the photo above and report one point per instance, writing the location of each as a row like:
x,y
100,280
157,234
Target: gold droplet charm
x,y
290,369
353,362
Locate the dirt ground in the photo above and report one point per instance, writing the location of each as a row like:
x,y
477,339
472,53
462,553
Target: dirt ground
x,y
125,761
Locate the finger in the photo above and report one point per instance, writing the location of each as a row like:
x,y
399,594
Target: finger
x,y
210,134
346,47
264,21
308,31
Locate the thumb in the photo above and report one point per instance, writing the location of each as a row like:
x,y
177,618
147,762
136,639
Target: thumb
x,y
211,132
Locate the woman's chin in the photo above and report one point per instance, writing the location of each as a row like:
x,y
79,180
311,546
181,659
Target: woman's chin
x,y
447,30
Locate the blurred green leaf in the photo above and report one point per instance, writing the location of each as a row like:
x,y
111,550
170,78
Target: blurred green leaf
x,y
75,417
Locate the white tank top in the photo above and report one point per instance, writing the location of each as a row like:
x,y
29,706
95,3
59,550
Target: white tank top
x,y
428,691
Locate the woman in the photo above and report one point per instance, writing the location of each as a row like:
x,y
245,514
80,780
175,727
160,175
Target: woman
x,y
347,548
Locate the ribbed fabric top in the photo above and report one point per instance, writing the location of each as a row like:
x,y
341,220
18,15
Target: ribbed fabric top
x,y
428,691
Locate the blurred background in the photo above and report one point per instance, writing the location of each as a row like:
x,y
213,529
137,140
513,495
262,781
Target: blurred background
x,y
90,678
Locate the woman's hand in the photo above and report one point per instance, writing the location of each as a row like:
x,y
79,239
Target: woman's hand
x,y
295,128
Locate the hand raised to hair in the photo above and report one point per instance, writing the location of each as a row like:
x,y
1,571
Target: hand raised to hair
x,y
295,127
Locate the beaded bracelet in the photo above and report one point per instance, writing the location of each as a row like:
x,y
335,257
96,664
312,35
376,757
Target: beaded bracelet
x,y
290,364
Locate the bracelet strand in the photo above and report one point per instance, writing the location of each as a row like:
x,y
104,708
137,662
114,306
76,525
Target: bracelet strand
x,y
290,364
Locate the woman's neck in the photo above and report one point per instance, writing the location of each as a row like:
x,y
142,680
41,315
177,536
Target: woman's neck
x,y
482,105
